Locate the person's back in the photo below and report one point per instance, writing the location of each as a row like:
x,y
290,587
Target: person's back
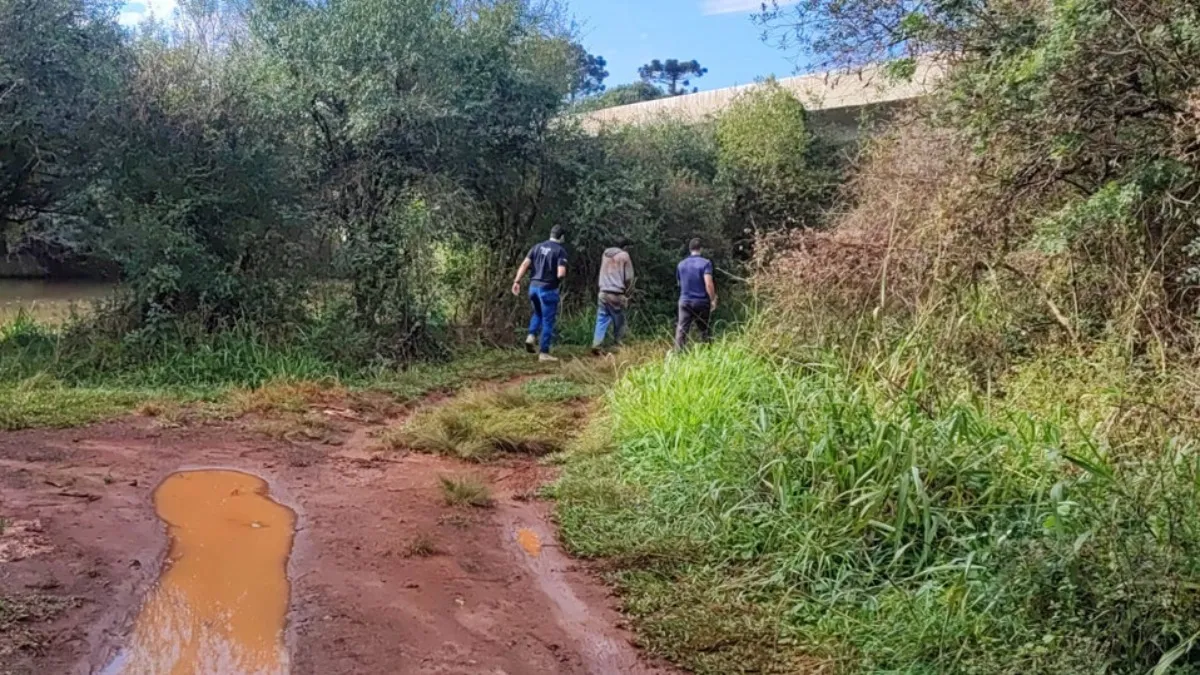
x,y
546,258
691,273
547,263
616,271
697,296
616,281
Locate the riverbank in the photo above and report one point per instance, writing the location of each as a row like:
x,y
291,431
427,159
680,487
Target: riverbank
x,y
50,301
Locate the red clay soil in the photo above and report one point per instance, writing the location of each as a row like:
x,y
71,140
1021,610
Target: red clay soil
x,y
497,595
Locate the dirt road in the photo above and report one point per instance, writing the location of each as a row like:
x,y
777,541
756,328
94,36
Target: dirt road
x,y
385,576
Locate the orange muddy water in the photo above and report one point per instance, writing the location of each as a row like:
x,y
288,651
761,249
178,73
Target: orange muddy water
x,y
530,541
221,602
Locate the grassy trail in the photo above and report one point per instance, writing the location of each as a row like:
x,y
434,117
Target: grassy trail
x,y
780,515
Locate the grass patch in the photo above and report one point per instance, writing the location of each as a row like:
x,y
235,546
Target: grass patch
x,y
762,514
465,491
73,374
69,375
167,412
50,404
467,369
480,424
283,396
556,389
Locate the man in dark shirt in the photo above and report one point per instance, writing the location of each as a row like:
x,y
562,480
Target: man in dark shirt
x,y
697,296
548,260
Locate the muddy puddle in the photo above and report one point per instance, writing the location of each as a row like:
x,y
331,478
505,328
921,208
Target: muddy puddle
x,y
221,602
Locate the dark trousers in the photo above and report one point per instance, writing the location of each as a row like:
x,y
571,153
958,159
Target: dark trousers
x,y
692,312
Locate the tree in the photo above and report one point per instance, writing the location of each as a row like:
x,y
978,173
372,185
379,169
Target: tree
x,y
590,72
198,198
673,74
766,157
62,67
418,109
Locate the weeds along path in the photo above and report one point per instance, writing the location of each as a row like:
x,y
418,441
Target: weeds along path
x,y
403,561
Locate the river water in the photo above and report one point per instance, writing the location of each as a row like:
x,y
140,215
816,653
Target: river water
x,y
49,300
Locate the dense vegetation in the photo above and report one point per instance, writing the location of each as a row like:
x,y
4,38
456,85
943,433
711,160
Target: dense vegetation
x,y
961,435
356,178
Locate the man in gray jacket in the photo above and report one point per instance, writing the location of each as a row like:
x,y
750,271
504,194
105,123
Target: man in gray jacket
x,y
616,281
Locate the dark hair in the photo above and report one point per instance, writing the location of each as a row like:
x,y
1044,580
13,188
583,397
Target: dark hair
x,y
694,245
622,242
558,232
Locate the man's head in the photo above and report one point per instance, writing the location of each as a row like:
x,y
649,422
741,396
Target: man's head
x,y
621,243
558,233
695,245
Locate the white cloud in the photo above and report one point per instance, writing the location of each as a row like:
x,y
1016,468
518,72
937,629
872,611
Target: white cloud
x,y
711,7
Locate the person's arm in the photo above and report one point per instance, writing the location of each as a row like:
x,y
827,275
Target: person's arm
x,y
710,286
562,267
516,287
629,275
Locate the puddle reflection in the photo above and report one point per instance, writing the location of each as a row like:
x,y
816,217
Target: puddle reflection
x,y
221,603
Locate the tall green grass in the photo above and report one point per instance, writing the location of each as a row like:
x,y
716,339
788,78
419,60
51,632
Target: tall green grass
x,y
78,354
77,373
818,513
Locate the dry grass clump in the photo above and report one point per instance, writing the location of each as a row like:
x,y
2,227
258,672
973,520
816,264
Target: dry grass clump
x,y
391,438
465,491
423,545
483,423
296,427
167,412
284,396
886,249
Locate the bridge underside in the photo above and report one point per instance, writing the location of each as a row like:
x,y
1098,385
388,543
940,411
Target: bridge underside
x,y
838,103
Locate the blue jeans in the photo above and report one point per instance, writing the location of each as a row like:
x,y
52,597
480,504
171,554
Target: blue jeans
x,y
609,313
545,314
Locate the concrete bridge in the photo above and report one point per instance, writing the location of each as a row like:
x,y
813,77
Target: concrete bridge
x,y
836,101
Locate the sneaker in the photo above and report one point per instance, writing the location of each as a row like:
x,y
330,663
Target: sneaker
x,y
531,344
596,351
546,358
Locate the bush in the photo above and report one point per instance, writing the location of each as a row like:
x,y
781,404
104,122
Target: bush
x,y
771,161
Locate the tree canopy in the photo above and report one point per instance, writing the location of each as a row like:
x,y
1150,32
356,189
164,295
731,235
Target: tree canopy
x,y
673,75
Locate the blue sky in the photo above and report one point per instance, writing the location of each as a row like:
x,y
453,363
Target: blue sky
x,y
717,33
629,33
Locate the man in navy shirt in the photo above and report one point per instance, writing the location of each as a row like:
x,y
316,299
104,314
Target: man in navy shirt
x,y
697,296
548,260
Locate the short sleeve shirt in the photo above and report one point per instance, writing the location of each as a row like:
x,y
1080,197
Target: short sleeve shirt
x,y
547,257
690,274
